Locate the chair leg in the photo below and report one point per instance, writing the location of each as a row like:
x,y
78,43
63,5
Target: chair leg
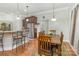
x,y
52,52
16,46
22,44
40,55
12,45
59,50
24,41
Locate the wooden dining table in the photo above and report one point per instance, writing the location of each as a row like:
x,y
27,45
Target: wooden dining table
x,y
55,42
55,39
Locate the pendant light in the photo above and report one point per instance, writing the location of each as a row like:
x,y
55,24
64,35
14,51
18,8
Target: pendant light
x,y
27,13
18,17
53,19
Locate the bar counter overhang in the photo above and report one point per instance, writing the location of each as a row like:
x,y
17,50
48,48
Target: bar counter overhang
x,y
8,40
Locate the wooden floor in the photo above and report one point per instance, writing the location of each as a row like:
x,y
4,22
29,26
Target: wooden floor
x,y
23,50
31,49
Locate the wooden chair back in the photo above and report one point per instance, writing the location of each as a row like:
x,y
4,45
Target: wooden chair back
x,y
41,33
44,45
61,38
60,48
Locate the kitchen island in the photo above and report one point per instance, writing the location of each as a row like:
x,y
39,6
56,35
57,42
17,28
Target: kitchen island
x,y
7,40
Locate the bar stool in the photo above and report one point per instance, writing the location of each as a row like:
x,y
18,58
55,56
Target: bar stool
x,y
24,37
25,34
1,41
17,36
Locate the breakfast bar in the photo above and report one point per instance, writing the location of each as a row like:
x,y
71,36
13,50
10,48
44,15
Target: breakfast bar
x,y
8,40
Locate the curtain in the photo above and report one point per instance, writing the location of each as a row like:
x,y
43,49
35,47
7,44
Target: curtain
x,y
73,23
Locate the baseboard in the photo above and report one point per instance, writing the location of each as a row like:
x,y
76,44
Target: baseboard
x,y
66,41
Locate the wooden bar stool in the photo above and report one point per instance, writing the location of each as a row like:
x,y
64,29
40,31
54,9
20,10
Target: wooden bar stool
x,y
25,34
24,37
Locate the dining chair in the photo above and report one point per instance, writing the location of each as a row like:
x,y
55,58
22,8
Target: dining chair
x,y
59,47
17,38
52,32
61,40
44,45
1,41
41,33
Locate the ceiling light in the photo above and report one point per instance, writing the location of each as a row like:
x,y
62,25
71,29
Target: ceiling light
x,y
27,19
18,11
53,19
27,13
18,17
25,10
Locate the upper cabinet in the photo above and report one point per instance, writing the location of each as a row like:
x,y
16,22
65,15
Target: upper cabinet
x,y
31,19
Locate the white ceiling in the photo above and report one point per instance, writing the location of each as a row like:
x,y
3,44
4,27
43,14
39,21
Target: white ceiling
x,y
33,7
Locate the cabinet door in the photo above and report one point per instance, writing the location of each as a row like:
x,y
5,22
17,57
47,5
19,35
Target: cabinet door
x,y
31,30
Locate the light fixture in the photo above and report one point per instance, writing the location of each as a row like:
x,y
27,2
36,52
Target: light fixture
x,y
25,10
53,19
18,17
27,13
27,19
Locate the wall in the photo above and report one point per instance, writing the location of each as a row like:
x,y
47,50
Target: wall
x,y
62,23
76,41
16,25
11,18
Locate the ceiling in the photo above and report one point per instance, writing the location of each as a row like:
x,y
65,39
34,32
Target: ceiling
x,y
33,7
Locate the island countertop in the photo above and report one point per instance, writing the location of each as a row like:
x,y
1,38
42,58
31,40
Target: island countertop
x,y
8,32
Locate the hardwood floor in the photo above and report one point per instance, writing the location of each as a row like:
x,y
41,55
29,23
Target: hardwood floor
x,y
31,49
21,50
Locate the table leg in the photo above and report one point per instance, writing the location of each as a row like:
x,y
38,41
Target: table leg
x,y
59,50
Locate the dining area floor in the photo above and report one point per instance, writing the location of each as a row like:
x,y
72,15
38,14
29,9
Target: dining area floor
x,y
31,49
